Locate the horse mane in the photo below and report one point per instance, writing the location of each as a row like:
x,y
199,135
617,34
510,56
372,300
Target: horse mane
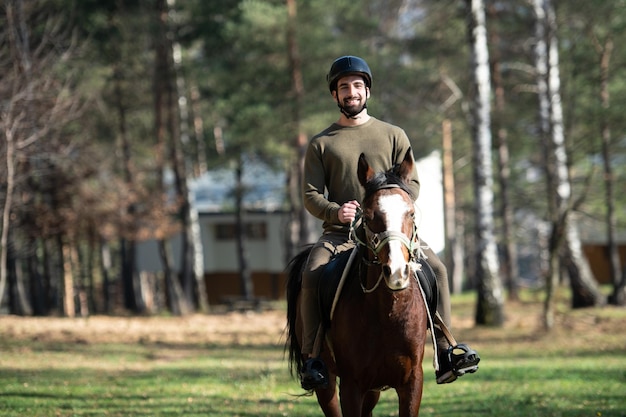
x,y
386,179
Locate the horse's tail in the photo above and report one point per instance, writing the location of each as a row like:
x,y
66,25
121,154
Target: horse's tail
x,y
294,284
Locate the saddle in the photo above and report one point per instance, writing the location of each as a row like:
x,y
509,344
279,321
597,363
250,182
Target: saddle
x,y
331,277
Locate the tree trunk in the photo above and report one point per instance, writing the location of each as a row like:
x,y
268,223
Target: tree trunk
x,y
454,241
132,298
201,164
245,275
541,67
36,104
176,160
90,272
301,225
176,300
18,300
192,267
37,289
511,271
6,208
69,307
584,288
105,270
81,277
130,280
618,296
490,305
21,64
174,296
50,270
509,247
57,276
198,256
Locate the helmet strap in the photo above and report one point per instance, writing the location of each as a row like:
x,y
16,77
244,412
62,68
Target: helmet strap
x,y
350,115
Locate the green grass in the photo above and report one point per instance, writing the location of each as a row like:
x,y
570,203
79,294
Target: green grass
x,y
523,374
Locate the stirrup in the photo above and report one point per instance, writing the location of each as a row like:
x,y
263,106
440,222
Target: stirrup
x,y
463,359
456,361
314,374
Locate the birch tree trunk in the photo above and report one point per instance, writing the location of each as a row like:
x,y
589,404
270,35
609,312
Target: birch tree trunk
x,y
541,67
564,232
176,302
192,268
490,304
586,292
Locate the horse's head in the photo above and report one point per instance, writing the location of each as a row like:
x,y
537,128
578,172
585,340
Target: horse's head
x,y
389,220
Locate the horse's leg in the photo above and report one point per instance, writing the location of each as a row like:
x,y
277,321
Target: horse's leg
x,y
410,396
369,402
351,398
327,398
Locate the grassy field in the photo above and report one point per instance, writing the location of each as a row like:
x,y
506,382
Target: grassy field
x,y
232,364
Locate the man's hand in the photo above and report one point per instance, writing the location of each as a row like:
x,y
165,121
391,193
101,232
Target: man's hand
x,y
347,212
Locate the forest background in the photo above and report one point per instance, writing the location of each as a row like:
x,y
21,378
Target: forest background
x,y
109,108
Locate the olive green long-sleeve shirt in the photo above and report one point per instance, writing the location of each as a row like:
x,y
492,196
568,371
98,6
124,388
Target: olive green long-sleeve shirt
x,y
331,163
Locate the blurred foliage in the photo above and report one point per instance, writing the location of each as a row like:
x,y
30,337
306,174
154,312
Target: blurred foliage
x,y
101,55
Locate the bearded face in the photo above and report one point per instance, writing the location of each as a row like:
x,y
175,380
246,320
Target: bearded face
x,y
351,95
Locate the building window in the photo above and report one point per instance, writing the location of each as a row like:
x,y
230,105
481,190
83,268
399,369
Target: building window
x,y
253,230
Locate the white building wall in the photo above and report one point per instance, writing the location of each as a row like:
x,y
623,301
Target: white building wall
x,y
221,255
431,226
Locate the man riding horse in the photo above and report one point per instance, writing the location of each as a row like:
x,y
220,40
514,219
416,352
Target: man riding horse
x,y
333,194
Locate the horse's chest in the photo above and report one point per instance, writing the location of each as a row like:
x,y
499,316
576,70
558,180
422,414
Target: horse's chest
x,y
381,343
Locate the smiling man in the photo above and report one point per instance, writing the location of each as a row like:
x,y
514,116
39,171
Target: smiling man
x,y
332,193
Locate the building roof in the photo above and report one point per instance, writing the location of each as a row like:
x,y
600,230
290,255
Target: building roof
x,y
265,189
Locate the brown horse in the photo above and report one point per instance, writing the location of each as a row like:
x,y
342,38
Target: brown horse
x,y
377,333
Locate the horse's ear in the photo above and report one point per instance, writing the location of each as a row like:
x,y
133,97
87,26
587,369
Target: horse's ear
x,y
405,169
364,172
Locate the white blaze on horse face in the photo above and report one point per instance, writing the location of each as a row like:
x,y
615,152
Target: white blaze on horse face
x,y
395,207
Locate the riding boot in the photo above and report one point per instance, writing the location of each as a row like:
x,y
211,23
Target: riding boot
x,y
444,374
310,318
454,359
313,373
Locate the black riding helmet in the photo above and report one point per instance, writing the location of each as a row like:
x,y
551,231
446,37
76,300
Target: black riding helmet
x,y
345,65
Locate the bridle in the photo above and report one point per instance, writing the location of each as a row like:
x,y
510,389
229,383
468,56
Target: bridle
x,y
375,242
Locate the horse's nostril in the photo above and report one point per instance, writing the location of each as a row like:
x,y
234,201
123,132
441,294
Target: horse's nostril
x,y
387,270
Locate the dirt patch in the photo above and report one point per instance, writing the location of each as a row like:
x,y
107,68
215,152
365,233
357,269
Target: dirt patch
x,y
212,329
600,329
